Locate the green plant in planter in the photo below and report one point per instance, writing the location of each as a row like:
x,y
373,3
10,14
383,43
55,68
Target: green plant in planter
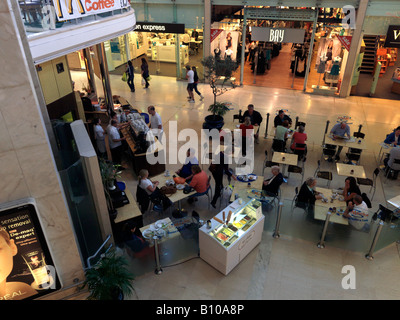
x,y
109,173
109,278
218,108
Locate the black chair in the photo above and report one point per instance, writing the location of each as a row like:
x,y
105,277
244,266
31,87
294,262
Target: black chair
x,y
294,201
297,169
369,182
328,151
267,163
359,135
87,104
278,145
390,170
237,117
326,175
384,214
300,149
353,158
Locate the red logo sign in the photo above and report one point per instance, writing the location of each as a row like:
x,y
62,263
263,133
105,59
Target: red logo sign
x,y
345,41
215,33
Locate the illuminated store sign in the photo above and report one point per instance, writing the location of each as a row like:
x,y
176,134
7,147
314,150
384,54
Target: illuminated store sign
x,y
160,27
26,267
73,9
393,37
280,35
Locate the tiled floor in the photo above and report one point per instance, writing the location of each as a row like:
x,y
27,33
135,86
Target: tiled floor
x,y
290,267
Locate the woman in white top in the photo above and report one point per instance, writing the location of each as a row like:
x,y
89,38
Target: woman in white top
x,y
99,135
145,183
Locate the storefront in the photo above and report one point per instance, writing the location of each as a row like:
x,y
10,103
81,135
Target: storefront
x,y
291,48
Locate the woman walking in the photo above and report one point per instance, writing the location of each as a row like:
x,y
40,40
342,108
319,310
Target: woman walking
x,y
196,81
145,71
130,72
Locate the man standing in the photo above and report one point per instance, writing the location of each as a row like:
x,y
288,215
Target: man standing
x,y
190,86
115,143
155,123
340,131
255,118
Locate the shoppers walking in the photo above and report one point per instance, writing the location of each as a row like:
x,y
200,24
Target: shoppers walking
x,y
145,72
190,85
131,75
196,81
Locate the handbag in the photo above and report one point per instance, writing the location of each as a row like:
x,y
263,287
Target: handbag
x,y
124,77
168,190
187,189
179,180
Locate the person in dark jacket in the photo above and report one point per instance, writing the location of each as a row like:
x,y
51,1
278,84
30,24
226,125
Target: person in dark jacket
x,y
307,195
280,117
131,239
271,186
218,168
131,75
394,137
255,118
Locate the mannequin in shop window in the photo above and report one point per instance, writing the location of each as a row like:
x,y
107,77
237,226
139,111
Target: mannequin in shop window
x,y
321,67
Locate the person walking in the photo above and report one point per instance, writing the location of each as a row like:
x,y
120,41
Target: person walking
x,y
131,75
145,72
196,81
190,85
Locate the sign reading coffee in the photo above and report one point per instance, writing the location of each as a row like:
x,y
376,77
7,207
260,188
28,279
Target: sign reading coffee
x,y
280,35
393,37
26,267
160,27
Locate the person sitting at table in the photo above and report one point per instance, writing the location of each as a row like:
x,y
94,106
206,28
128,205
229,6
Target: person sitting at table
x,y
299,137
307,195
391,165
133,241
186,170
255,118
152,190
340,130
280,117
199,183
271,185
357,213
394,137
281,136
351,189
246,125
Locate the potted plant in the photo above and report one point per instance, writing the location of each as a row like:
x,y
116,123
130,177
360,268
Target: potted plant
x,y
109,278
219,73
109,174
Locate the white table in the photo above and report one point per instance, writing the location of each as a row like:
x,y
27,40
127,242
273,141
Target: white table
x,y
321,208
395,201
285,159
352,142
350,170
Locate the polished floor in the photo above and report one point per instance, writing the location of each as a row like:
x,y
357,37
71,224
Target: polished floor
x,y
291,266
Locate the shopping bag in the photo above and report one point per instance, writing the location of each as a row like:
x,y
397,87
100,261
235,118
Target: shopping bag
x,y
124,77
143,82
148,78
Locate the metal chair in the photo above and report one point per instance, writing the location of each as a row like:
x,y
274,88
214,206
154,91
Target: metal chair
x,y
328,151
369,182
353,158
267,163
359,135
294,201
300,149
278,145
297,169
326,175
391,170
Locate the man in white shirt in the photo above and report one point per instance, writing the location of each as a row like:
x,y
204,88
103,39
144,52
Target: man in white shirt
x,y
115,139
190,86
155,123
357,213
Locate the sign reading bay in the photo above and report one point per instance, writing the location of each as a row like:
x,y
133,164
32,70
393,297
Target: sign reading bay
x,y
393,37
280,35
160,27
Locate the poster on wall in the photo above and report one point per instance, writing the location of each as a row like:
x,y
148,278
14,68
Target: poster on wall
x,y
225,43
328,50
26,267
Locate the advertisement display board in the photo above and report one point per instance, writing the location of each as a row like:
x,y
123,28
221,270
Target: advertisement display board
x,y
225,43
26,267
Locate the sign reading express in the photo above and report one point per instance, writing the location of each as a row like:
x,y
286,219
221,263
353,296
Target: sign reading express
x,y
160,27
72,9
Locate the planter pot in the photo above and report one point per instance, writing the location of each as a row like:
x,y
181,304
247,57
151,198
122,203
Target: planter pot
x,y
213,122
113,213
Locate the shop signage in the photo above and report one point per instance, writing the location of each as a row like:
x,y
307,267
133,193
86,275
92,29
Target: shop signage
x,y
160,27
345,41
73,9
280,35
215,33
393,37
25,259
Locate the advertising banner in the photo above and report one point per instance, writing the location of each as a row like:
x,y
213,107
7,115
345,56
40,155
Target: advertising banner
x,y
26,267
393,37
345,41
160,27
280,35
225,44
73,9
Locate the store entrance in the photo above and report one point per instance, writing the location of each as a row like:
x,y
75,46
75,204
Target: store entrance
x,y
276,65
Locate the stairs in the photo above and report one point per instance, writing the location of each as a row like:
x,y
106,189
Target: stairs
x,y
371,45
